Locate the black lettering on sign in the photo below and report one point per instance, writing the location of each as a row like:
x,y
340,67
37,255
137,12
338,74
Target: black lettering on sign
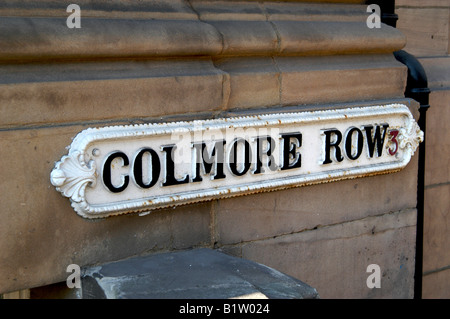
x,y
233,158
267,152
354,142
107,172
170,168
376,139
330,142
154,166
203,159
349,145
147,166
291,141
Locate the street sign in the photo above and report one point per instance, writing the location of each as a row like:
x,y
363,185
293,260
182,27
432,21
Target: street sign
x,y
138,168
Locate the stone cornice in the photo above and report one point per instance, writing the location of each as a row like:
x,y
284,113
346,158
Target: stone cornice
x,y
34,30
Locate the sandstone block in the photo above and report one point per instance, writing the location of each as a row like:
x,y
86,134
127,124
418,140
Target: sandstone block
x,y
335,259
330,37
62,93
438,72
437,161
436,224
426,30
247,37
310,81
435,285
254,82
25,38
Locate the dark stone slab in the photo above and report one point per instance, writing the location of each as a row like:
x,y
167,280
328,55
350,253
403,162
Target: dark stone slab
x,y
191,274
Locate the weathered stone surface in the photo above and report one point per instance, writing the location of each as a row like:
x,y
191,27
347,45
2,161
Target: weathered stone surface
x,y
263,81
279,11
438,139
247,37
420,3
437,178
435,285
61,93
254,82
149,9
310,81
426,29
309,11
50,38
329,37
227,10
200,30
334,259
192,274
436,225
438,72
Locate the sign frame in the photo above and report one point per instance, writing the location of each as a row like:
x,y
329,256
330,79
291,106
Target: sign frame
x,y
77,173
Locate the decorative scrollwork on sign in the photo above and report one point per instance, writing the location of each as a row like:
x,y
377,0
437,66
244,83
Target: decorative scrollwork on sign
x,y
71,175
410,137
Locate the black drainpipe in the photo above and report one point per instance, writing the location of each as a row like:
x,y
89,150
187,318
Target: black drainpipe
x,y
387,10
417,89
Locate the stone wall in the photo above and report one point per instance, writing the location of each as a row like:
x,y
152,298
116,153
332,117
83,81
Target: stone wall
x,y
171,60
426,25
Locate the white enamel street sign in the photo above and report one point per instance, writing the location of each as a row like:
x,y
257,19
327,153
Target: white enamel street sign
x,y
138,168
